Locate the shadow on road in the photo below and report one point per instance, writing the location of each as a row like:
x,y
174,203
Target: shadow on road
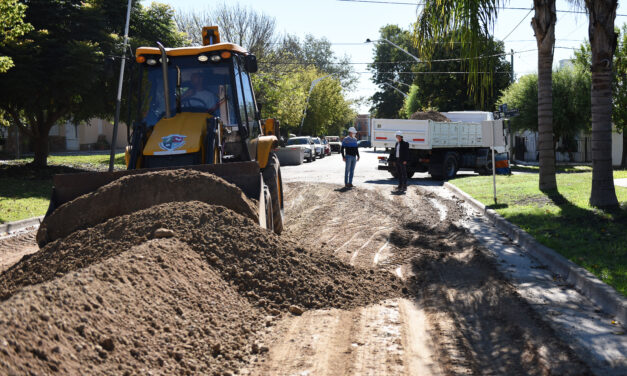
x,y
414,181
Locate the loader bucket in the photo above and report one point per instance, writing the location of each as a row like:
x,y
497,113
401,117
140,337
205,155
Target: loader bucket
x,y
77,203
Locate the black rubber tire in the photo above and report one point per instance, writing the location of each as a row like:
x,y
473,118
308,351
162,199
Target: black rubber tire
x,y
272,178
410,174
450,166
488,169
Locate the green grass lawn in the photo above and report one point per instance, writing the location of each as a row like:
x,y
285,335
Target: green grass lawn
x,y
592,238
25,191
94,161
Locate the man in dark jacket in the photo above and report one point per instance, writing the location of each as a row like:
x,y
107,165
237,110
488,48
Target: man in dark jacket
x,y
401,151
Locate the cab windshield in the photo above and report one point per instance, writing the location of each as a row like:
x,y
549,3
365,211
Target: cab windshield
x,y
193,87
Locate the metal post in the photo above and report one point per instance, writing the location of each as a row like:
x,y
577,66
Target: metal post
x,y
118,102
493,165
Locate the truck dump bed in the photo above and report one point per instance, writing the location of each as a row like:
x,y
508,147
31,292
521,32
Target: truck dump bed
x,y
428,134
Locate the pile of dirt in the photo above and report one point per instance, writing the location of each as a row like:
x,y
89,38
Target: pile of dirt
x,y
135,192
260,273
429,115
157,306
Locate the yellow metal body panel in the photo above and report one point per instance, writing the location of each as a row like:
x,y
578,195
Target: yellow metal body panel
x,y
190,51
181,134
265,144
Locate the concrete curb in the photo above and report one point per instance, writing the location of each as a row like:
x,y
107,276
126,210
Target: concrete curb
x,y
19,225
585,282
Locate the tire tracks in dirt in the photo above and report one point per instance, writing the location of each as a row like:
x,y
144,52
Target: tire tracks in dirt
x,y
465,318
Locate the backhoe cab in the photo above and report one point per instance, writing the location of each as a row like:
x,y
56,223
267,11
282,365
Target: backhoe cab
x,y
196,106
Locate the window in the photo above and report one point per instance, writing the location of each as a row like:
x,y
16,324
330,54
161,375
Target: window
x,y
251,109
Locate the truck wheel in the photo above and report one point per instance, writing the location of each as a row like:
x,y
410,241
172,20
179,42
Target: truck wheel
x,y
449,166
487,169
410,174
272,178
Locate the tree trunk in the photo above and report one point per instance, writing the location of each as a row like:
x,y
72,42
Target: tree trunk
x,y
603,43
40,145
543,24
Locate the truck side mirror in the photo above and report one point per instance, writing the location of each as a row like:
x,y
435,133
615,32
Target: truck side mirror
x,y
250,63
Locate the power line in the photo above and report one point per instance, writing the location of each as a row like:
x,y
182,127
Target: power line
x,y
516,27
410,61
508,8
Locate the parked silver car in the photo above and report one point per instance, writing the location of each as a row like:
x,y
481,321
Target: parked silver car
x,y
304,142
319,147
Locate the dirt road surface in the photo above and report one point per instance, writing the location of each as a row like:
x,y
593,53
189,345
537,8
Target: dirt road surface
x,y
459,314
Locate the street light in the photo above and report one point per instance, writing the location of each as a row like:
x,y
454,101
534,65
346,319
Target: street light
x,y
395,45
394,87
313,84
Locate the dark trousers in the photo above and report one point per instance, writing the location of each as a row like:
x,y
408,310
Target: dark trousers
x,y
401,169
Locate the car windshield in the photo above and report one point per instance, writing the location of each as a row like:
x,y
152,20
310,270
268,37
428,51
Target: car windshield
x,y
316,141
202,87
297,141
333,139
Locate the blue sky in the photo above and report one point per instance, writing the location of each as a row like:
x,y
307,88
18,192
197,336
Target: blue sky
x,y
352,22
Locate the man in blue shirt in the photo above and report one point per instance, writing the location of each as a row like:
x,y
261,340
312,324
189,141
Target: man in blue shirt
x,y
350,155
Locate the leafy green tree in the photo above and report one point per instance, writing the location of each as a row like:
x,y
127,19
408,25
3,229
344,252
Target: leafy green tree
x,y
571,104
451,92
63,68
328,110
388,62
475,19
13,27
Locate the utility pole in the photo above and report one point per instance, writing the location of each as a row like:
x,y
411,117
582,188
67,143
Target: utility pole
x,y
118,102
512,66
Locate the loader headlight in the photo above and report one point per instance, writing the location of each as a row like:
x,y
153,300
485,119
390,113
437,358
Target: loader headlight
x,y
151,61
203,58
215,58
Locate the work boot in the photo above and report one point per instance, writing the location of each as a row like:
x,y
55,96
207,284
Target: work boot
x,y
404,187
350,185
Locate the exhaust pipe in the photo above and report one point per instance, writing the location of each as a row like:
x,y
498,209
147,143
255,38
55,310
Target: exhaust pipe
x,y
164,69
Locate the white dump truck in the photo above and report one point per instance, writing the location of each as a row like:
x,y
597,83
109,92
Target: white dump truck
x,y
440,148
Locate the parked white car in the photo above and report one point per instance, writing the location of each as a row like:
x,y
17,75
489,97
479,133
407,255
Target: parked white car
x,y
305,143
319,147
334,143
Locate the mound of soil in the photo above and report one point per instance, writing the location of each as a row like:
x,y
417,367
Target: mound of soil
x,y
429,115
135,192
158,304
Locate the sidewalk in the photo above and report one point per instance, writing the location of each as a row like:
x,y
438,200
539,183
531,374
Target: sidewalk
x,y
574,313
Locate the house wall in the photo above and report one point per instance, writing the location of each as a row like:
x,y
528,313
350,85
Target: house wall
x,y
584,148
617,148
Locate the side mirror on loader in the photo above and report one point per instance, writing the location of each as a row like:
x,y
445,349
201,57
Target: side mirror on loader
x,y
250,63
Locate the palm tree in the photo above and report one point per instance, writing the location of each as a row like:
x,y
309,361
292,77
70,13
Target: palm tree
x,y
543,24
476,18
603,39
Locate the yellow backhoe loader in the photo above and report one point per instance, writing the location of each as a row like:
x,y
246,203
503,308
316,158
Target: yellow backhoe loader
x,y
196,109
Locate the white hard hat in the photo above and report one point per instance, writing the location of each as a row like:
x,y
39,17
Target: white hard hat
x,y
352,130
399,133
